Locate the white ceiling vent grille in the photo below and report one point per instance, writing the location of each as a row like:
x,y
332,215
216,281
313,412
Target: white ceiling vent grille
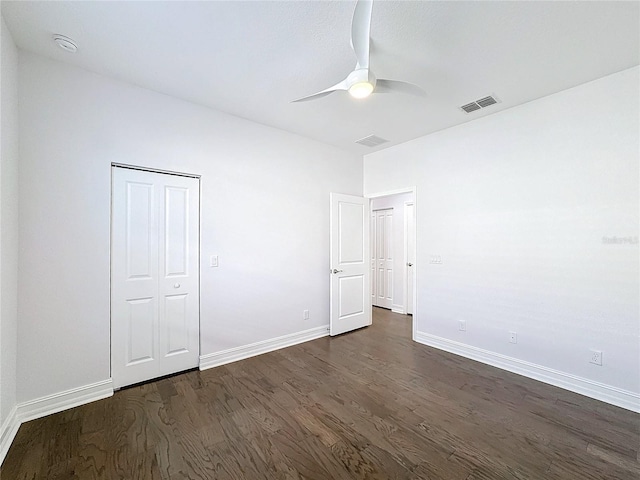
x,y
470,107
371,141
478,104
486,101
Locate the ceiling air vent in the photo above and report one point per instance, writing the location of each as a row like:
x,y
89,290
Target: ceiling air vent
x,y
371,141
478,104
470,107
486,101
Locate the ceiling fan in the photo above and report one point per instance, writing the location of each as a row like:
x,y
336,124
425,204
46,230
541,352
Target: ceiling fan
x,y
362,82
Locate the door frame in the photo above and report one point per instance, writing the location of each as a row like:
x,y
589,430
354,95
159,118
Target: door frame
x,y
397,191
199,273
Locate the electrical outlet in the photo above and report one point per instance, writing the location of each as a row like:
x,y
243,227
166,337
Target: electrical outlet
x,y
305,314
462,325
596,357
513,337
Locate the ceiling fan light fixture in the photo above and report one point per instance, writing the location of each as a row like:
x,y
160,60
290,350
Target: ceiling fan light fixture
x,y
361,82
361,90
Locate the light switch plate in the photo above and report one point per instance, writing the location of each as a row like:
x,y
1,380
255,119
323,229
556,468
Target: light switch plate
x,y
213,262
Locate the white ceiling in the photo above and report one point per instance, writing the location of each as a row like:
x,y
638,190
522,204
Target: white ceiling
x,y
252,58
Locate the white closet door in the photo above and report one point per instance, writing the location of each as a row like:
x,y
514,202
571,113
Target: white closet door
x,y
372,255
155,320
384,258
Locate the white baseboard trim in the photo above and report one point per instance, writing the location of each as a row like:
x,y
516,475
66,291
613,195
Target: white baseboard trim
x,y
8,432
398,309
41,407
240,353
600,391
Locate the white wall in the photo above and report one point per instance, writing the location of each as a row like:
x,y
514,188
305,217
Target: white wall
x,y
8,236
265,212
396,202
517,205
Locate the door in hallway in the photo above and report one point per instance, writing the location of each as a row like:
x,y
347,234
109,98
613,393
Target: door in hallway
x,y
411,252
155,319
382,258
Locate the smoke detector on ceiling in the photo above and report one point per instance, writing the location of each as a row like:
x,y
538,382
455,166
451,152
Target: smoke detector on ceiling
x,y
65,43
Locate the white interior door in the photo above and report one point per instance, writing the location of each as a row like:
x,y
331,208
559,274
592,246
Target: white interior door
x,y
155,319
350,288
372,257
411,253
383,258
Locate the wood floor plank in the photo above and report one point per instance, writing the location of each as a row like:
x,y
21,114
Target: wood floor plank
x,y
298,456
91,460
227,465
355,463
370,404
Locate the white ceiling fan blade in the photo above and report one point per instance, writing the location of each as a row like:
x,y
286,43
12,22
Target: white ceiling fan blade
x,y
360,32
390,86
339,86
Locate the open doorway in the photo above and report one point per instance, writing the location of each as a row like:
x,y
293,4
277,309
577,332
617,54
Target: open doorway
x,y
392,252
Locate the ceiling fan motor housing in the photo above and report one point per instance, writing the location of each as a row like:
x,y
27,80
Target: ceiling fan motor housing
x,y
362,75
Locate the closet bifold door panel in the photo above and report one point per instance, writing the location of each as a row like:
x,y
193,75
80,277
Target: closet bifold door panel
x,y
382,258
155,324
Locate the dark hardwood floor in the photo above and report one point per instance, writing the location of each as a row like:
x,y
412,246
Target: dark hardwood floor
x,y
368,404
